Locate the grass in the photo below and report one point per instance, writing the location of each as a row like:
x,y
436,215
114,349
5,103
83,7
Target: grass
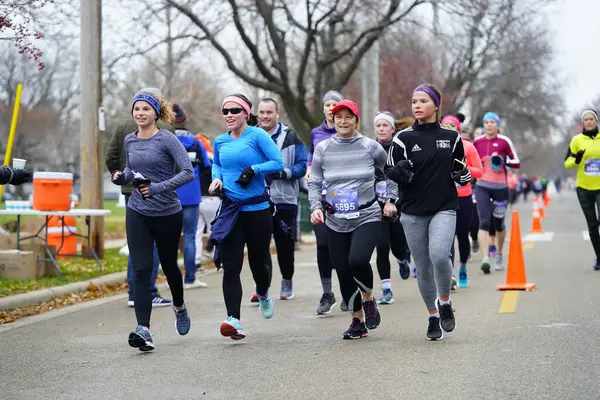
x,y
74,269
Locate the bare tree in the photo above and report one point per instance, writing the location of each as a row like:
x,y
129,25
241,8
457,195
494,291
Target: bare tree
x,y
300,48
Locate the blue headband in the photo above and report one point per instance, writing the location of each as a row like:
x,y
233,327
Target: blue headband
x,y
492,116
430,92
154,103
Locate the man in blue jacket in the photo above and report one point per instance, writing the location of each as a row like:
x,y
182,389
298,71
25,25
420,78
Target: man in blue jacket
x,y
284,190
190,196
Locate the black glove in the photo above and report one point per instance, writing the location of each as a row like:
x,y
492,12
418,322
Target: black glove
x,y
402,171
578,156
20,176
245,177
279,175
462,177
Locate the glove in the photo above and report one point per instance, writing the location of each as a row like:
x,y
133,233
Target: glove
x,y
279,175
20,176
578,156
402,171
245,177
462,177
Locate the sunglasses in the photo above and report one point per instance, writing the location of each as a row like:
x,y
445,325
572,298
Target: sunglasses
x,y
233,111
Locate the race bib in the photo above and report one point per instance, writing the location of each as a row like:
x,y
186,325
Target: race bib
x,y
592,167
500,208
381,189
345,203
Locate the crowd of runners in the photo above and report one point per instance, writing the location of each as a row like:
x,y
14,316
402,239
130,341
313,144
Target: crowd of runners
x,y
424,183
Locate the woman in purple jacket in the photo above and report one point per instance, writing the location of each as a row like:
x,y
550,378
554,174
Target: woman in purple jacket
x,y
320,133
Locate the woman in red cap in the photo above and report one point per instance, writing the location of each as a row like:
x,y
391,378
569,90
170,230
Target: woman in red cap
x,y
342,184
426,161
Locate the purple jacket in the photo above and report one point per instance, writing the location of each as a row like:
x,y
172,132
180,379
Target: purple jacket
x,y
317,135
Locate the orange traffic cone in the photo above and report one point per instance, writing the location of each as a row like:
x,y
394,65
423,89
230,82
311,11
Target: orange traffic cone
x,y
515,273
536,220
546,199
540,203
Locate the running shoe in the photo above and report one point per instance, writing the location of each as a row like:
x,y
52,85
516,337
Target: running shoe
x,y
387,297
356,330
141,339
159,301
404,269
434,331
447,321
453,286
287,290
182,321
475,246
485,266
343,306
597,265
254,298
232,327
372,316
267,306
326,304
492,251
498,262
463,279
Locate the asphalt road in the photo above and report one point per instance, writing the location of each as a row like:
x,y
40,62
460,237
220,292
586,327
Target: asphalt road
x,y
545,346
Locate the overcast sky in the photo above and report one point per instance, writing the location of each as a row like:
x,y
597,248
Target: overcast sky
x,y
577,27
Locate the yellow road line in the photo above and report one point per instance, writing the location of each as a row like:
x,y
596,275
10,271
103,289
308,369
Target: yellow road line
x,y
528,245
509,302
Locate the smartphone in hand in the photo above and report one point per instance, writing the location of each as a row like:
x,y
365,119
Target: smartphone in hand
x,y
458,165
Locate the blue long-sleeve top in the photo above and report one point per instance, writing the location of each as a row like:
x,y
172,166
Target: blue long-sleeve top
x,y
253,148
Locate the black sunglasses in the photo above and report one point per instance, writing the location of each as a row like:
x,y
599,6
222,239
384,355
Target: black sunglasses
x,y
233,111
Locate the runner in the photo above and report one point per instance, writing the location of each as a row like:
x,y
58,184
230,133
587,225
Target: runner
x,y
391,233
584,154
208,210
342,185
14,177
154,213
496,152
284,190
465,202
243,156
320,133
426,160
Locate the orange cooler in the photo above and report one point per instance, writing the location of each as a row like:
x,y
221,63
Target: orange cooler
x,y
52,191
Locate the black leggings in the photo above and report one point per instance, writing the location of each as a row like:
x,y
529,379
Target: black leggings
x,y
590,205
323,258
474,222
142,232
351,254
253,228
463,226
285,243
391,235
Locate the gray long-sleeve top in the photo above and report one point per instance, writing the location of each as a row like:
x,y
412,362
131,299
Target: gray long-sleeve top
x,y
347,168
157,158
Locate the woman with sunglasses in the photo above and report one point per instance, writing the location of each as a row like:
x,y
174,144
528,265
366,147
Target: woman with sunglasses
x,y
464,213
426,161
391,234
243,156
317,135
342,185
154,212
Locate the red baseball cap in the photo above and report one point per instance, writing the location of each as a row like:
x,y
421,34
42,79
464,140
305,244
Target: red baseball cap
x,y
349,104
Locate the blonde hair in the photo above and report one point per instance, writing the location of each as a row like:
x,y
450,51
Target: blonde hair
x,y
404,123
167,114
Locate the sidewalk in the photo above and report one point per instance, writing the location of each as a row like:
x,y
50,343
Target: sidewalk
x,y
39,296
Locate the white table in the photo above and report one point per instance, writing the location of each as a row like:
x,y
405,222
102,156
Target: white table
x,y
77,212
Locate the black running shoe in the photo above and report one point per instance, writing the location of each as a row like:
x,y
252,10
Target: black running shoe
x,y
326,304
372,316
356,330
447,321
434,332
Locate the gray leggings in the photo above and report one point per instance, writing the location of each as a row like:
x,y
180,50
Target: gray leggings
x,y
429,240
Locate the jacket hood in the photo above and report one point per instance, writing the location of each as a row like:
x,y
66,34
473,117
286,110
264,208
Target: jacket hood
x,y
357,136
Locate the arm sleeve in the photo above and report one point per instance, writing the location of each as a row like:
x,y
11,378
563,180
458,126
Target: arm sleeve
x,y
513,159
113,153
474,162
298,170
216,166
127,171
311,150
183,163
271,152
458,152
5,174
380,158
570,157
315,182
397,152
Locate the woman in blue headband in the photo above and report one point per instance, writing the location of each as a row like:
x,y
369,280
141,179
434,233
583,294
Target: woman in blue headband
x,y
154,213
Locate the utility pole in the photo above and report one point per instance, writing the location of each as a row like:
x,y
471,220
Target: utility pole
x,y
92,177
369,74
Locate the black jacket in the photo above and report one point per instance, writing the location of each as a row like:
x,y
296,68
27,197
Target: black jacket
x,y
431,149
